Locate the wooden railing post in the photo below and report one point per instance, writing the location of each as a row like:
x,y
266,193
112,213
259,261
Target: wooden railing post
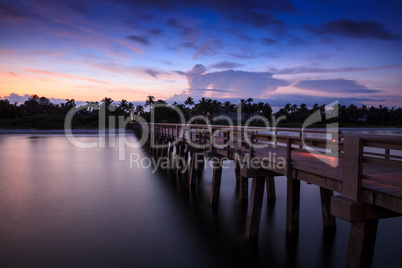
x,y
292,195
352,168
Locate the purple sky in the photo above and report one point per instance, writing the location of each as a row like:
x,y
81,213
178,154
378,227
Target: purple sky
x,y
273,51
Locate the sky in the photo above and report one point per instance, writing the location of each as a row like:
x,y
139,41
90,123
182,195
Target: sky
x,y
281,51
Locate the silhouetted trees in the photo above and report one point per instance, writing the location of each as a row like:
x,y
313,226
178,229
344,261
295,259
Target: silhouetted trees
x,y
39,112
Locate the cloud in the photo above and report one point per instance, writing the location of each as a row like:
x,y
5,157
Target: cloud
x,y
322,57
238,83
360,29
208,48
152,72
139,39
268,41
185,31
334,86
221,5
303,70
79,6
10,14
260,19
15,98
226,65
179,72
251,54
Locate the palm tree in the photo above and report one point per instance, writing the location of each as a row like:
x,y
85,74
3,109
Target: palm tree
x,y
189,101
92,105
267,110
130,108
294,108
249,106
287,107
123,105
69,104
149,101
159,101
139,110
106,102
303,107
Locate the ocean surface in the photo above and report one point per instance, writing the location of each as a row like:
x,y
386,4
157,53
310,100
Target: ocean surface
x,y
65,206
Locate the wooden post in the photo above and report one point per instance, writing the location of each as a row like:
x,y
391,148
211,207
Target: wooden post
x,y
386,155
237,172
243,189
292,195
179,158
216,180
254,209
193,168
352,168
169,155
361,243
292,205
271,196
328,220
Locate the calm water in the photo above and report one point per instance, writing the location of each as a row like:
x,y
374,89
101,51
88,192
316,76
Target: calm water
x,y
65,206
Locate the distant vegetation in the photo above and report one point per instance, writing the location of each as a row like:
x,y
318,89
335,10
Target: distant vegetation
x,y
39,113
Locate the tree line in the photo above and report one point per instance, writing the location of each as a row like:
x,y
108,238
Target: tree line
x,y
41,113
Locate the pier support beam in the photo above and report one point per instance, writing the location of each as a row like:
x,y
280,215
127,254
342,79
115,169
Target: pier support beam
x,y
361,243
254,209
292,206
328,220
243,189
216,180
180,158
196,164
237,172
271,196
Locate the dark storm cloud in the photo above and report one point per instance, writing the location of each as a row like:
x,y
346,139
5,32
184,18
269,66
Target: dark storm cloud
x,y
334,85
360,29
139,39
226,65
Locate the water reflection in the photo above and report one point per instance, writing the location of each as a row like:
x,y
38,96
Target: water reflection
x,y
65,206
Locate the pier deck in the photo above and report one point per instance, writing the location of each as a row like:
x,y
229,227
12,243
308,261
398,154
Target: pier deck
x,y
365,171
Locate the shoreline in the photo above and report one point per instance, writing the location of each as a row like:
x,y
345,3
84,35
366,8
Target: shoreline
x,y
117,131
57,131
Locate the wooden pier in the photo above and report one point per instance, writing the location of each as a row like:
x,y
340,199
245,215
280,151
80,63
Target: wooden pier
x,y
365,171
